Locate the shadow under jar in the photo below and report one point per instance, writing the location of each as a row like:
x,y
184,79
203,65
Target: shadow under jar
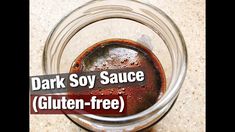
x,y
124,20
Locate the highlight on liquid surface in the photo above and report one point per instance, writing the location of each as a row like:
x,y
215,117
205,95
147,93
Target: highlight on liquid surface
x,y
123,53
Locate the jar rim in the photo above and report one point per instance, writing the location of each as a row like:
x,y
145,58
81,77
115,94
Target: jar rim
x,y
89,8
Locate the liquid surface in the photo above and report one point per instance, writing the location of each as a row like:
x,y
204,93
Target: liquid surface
x,y
118,54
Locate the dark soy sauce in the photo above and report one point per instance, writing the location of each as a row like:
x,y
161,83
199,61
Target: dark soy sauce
x,y
123,53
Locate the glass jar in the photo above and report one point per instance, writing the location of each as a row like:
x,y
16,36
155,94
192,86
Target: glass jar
x,y
104,19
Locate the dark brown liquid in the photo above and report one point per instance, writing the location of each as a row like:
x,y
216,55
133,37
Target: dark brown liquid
x,y
122,53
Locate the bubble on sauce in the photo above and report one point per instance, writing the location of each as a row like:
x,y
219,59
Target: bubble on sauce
x,y
110,91
119,92
124,60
